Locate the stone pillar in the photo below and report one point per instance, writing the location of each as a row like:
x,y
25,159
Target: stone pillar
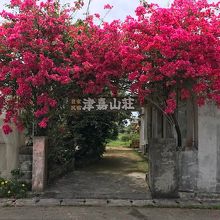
x,y
39,167
143,130
208,149
163,168
188,170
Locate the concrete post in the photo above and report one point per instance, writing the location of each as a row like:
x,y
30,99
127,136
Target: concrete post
x,y
39,167
209,149
163,168
188,170
143,130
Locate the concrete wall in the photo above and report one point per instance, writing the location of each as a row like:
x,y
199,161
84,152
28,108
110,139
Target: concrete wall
x,y
198,170
209,148
25,163
9,145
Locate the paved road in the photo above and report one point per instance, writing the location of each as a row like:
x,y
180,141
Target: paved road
x,y
119,175
105,213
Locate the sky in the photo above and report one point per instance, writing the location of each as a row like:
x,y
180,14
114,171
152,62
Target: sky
x,y
121,8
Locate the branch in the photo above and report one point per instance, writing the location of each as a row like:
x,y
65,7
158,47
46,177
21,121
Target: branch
x,y
170,119
87,10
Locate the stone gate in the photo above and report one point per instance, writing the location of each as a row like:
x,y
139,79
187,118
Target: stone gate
x,y
193,168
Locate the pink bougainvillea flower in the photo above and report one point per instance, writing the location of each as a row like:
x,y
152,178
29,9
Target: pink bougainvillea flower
x,y
43,123
6,129
97,15
108,6
45,57
143,78
141,10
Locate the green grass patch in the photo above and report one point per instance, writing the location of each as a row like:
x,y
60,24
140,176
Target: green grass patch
x,y
142,163
119,142
123,140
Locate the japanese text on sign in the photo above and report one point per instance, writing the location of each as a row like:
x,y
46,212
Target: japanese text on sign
x,y
100,104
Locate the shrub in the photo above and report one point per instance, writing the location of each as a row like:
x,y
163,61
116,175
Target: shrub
x,y
61,151
135,137
125,137
13,188
91,131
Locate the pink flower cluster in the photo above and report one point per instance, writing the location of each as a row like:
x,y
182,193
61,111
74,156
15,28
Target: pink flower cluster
x,y
174,49
164,51
107,6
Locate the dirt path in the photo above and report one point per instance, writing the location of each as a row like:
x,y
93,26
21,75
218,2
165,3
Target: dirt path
x,y
119,175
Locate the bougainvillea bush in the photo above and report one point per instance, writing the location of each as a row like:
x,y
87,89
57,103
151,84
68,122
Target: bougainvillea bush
x,y
44,56
174,51
35,67
164,54
173,54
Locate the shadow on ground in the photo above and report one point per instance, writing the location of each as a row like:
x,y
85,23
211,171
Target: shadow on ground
x,y
119,175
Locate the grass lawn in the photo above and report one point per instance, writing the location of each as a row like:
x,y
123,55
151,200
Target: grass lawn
x,y
118,142
120,160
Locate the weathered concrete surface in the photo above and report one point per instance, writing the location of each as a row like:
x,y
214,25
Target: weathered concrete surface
x,y
82,184
218,159
119,175
163,168
183,202
209,148
25,163
111,213
39,169
188,171
143,130
9,145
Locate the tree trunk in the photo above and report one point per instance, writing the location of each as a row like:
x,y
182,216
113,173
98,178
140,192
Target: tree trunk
x,y
178,132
